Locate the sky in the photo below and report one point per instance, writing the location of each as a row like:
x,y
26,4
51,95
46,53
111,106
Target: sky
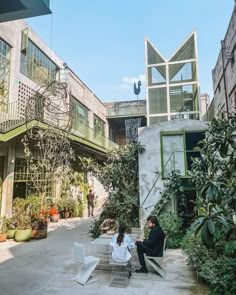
x,y
102,41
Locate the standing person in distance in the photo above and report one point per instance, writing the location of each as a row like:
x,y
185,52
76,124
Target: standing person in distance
x,y
153,245
90,199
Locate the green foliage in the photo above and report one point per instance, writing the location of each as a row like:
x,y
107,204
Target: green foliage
x,y
21,213
119,176
172,227
74,207
210,245
94,230
173,188
3,225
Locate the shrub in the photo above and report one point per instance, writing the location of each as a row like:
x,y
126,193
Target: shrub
x,y
172,227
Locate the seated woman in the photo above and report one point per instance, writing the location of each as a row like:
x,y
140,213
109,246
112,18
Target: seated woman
x,y
121,245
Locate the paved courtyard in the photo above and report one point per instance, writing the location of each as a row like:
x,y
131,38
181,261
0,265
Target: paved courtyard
x,y
47,267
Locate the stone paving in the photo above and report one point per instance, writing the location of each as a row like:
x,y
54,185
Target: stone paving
x,y
47,267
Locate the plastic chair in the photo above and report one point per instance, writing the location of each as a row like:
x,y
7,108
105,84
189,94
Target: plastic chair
x,y
89,264
156,262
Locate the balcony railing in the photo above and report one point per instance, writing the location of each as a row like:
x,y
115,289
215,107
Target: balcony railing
x,y
12,116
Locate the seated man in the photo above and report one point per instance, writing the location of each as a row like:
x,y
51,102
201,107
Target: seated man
x,y
153,245
109,226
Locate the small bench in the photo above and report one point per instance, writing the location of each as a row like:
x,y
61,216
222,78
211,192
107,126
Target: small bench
x,y
155,262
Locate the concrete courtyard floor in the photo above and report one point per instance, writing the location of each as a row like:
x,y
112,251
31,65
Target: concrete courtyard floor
x,y
42,267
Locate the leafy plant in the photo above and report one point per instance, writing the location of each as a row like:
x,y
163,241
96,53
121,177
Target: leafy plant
x,y
119,176
173,188
3,225
172,227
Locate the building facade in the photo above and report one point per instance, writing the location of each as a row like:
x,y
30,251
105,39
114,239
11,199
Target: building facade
x,y
29,67
224,73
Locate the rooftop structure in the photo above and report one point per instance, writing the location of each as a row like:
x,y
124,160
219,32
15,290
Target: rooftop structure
x,y
172,84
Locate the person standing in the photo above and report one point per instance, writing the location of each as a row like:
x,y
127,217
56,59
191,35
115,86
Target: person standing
x,y
153,245
90,199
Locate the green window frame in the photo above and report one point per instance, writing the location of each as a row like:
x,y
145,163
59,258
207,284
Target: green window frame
x,y
187,154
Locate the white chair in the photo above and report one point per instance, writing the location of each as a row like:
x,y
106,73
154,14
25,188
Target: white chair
x,y
156,262
89,264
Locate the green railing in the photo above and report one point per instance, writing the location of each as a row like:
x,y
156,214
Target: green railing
x,y
11,116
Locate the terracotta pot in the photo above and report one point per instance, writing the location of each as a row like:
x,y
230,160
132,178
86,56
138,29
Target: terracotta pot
x,y
23,235
11,233
3,237
39,233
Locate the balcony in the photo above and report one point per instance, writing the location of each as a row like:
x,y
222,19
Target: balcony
x,y
12,116
19,9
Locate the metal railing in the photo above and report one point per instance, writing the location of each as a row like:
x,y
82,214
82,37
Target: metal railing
x,y
11,116
181,161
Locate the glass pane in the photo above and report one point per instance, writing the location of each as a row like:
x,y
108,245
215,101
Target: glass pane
x,y
156,120
156,75
182,72
153,56
173,154
157,100
183,98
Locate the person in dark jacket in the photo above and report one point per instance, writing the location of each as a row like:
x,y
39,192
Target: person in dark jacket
x,y
153,245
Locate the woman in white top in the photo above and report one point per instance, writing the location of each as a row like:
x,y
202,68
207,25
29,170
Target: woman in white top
x,y
121,245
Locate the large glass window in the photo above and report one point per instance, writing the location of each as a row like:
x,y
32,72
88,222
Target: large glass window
x,y
173,154
157,100
36,65
183,98
79,115
5,57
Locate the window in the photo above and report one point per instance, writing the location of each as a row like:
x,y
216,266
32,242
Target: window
x,y
35,65
5,58
80,121
178,150
157,100
99,126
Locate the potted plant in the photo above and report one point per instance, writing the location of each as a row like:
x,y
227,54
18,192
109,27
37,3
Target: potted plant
x,y
39,224
54,215
21,213
3,229
11,228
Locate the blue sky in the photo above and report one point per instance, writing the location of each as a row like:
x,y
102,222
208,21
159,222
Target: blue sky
x,y
103,40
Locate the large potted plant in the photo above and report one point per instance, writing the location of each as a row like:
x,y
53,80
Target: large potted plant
x,y
21,213
3,229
